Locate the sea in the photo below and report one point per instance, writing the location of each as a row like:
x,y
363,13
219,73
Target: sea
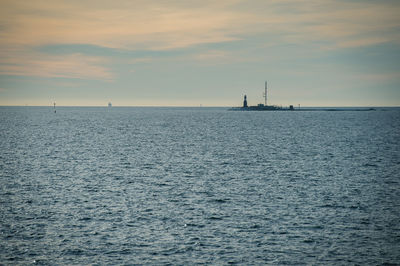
x,y
188,186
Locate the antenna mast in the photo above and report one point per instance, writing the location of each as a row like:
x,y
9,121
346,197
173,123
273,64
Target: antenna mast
x,y
265,94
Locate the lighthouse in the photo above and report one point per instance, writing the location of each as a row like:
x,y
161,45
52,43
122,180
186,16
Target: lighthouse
x,y
245,102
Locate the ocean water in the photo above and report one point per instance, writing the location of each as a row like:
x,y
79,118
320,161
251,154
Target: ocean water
x,y
186,186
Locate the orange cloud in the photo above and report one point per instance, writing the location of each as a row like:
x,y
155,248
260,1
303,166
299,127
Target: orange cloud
x,y
135,25
173,24
69,66
159,25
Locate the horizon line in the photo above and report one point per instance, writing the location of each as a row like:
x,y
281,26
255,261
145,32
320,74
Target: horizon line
x,y
202,106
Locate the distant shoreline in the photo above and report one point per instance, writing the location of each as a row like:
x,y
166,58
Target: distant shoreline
x,y
305,108
332,109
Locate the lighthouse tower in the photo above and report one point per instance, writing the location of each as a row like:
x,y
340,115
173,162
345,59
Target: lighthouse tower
x,y
245,102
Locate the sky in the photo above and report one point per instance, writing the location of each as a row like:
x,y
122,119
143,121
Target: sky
x,y
192,53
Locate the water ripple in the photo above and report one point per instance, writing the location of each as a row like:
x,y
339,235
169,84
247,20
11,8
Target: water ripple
x,y
198,186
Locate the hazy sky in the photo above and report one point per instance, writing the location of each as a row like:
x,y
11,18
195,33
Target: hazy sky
x,y
187,53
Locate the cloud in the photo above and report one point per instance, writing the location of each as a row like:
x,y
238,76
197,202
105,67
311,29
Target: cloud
x,y
136,25
379,77
169,25
66,66
173,25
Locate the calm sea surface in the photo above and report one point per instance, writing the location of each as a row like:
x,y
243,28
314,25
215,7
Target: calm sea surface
x,y
184,186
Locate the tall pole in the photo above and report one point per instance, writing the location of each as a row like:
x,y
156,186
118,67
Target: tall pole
x,y
265,94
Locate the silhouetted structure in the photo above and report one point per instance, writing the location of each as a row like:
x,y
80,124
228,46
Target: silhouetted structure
x,y
265,95
265,107
259,107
